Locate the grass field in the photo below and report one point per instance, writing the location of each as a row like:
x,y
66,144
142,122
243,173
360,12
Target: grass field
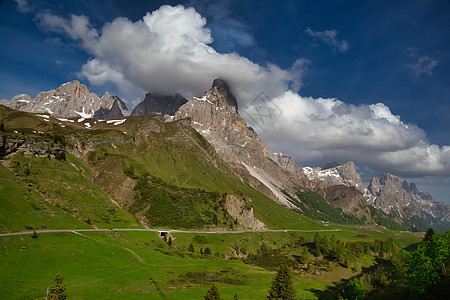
x,y
136,265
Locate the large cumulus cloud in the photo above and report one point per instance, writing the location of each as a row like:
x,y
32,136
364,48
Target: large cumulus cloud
x,y
319,130
168,51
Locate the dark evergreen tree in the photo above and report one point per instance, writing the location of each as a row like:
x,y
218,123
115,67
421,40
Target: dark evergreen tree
x,y
2,127
169,242
57,292
191,248
282,285
353,290
429,234
212,293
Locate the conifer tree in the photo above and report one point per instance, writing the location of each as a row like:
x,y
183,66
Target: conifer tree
x,y
169,242
57,292
212,293
282,285
353,290
191,248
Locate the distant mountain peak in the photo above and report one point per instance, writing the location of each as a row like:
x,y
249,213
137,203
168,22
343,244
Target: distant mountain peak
x,y
389,193
159,104
71,99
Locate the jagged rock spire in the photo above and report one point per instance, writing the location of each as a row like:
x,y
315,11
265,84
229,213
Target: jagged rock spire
x,y
224,90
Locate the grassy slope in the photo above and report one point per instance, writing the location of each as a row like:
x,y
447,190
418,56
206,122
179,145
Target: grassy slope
x,y
18,201
187,162
54,195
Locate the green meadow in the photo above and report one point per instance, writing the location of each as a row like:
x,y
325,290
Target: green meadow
x,y
136,265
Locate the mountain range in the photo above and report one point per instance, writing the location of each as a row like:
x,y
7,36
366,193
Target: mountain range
x,y
334,192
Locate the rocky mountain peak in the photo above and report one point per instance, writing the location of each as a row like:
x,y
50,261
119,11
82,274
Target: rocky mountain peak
x,y
71,99
215,116
337,175
117,110
391,195
158,104
222,90
389,179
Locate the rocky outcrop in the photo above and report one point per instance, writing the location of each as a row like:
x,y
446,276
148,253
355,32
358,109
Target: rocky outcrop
x,y
239,209
156,104
25,145
71,99
391,195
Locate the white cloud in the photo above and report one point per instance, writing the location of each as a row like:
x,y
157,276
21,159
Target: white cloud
x,y
329,37
320,130
423,65
77,27
229,32
168,51
23,6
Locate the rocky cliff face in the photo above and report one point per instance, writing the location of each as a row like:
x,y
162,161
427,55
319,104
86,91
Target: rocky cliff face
x,y
39,147
215,116
156,104
391,195
71,99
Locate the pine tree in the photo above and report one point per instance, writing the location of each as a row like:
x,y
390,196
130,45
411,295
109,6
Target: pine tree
x,y
191,248
353,290
212,293
427,271
169,242
57,292
282,285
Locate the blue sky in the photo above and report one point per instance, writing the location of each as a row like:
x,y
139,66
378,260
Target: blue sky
x,y
353,80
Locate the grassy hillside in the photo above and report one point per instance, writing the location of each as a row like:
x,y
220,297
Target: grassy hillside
x,y
97,180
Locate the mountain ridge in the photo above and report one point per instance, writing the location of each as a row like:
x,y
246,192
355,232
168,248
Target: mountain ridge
x,y
71,99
